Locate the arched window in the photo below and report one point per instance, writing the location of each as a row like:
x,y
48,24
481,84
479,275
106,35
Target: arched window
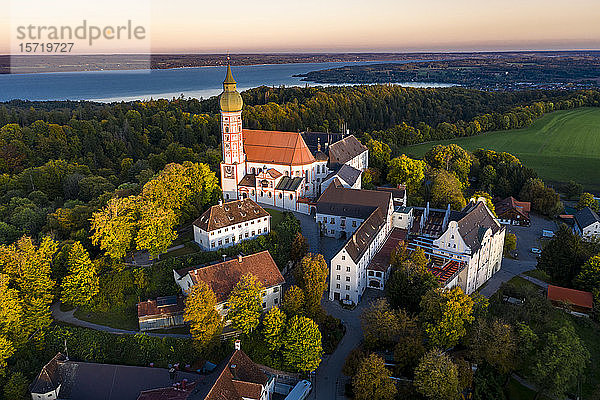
x,y
269,194
253,171
226,128
280,195
291,197
261,193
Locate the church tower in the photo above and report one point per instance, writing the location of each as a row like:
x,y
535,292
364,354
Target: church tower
x,y
233,167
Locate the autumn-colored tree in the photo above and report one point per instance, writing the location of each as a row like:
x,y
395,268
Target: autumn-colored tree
x,y
302,347
494,342
510,243
273,327
82,283
17,387
11,309
379,154
447,189
405,170
589,277
29,267
372,380
293,301
114,226
445,314
418,258
7,349
409,345
156,229
245,304
436,377
587,200
380,325
451,158
311,275
353,360
299,247
488,201
200,313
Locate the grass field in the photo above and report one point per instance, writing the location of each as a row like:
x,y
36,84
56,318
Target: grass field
x,y
561,146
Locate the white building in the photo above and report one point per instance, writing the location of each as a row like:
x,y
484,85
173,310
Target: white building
x,y
348,177
278,168
222,277
364,217
465,247
587,224
228,224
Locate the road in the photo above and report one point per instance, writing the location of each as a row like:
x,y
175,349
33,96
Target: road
x,y
330,381
527,237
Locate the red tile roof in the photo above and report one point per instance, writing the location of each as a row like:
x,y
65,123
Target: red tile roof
x,y
223,276
230,213
150,308
447,271
510,203
275,147
577,298
381,260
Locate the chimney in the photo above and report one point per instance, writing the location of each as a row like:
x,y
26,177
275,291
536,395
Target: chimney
x,y
239,258
238,344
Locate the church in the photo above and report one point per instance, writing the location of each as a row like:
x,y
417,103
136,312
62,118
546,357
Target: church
x,y
284,169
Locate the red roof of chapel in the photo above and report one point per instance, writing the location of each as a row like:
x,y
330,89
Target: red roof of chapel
x,y
276,147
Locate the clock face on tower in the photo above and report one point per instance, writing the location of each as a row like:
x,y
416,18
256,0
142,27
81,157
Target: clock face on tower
x,y
228,170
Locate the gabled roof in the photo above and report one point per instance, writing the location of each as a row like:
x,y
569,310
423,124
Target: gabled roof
x,y
577,298
475,223
586,217
289,184
510,203
92,381
231,213
223,276
152,308
381,260
347,173
360,240
355,203
345,150
236,378
248,180
276,147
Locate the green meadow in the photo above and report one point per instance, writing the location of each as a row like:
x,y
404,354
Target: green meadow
x,y
561,146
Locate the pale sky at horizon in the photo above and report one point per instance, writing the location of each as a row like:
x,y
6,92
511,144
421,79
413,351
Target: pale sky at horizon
x,y
182,26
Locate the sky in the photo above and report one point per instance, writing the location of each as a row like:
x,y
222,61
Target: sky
x,y
184,26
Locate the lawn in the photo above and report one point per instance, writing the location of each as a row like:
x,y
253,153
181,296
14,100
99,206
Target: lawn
x,y
519,282
121,320
560,146
538,274
276,217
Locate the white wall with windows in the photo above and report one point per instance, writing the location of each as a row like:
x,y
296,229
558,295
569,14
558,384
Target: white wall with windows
x,y
231,235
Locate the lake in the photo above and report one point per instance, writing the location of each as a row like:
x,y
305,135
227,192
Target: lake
x,y
108,86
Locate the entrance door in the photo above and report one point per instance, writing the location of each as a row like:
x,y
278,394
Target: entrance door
x,y
336,295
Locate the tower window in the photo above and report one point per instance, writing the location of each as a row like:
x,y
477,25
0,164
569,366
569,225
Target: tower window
x,y
227,128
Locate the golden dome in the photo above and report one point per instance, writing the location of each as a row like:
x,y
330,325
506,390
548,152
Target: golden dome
x,y
230,100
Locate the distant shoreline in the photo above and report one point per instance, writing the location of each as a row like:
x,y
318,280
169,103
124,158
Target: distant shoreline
x,y
30,64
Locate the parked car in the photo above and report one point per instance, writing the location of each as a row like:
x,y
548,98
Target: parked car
x,y
535,250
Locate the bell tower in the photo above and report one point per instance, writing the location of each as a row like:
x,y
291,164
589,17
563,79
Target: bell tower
x,y
233,166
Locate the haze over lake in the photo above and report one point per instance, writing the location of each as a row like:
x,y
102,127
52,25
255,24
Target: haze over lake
x,y
107,86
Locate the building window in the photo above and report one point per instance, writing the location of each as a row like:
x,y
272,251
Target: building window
x,y
347,287
370,273
343,257
270,195
337,285
339,267
226,240
246,235
337,277
325,219
212,244
347,269
253,233
276,289
347,279
378,274
354,224
291,197
280,196
333,220
220,242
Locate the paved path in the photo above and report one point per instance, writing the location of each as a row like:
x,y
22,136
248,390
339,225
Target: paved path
x,y
330,381
535,281
510,269
69,318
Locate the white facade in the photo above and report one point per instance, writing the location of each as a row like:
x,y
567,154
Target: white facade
x,y
232,234
337,226
51,395
589,232
402,218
